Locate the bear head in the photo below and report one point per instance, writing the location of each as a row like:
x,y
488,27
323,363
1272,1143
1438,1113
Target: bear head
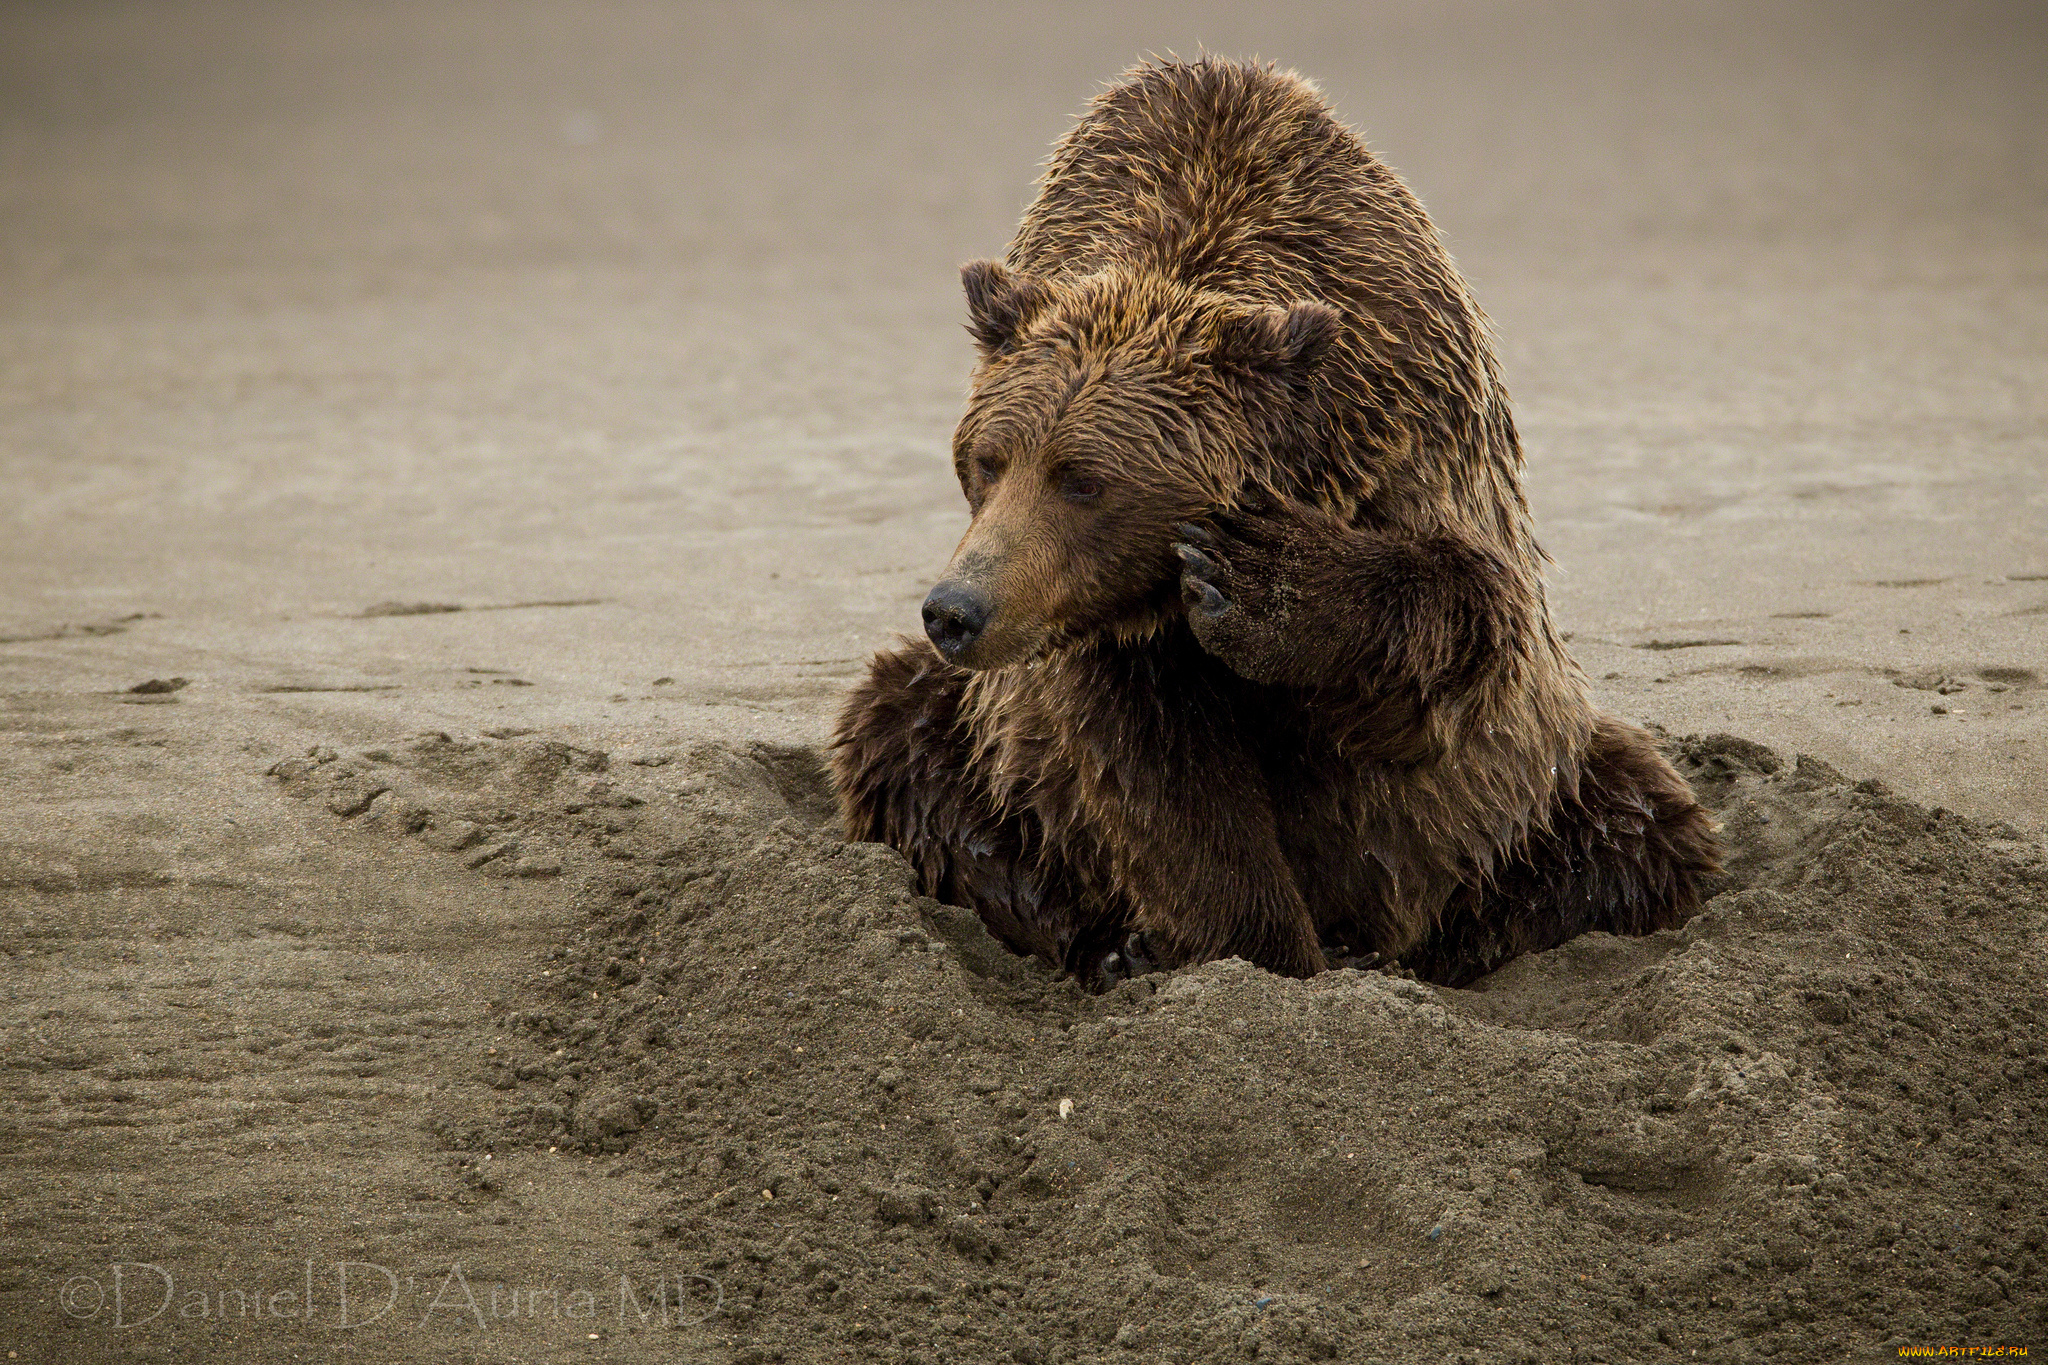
x,y
1106,410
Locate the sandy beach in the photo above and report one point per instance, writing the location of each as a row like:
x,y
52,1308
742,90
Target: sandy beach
x,y
494,436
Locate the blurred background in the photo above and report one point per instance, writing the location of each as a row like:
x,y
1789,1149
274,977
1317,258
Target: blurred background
x,y
305,308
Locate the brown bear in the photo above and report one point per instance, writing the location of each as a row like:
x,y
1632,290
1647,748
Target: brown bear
x,y
1246,650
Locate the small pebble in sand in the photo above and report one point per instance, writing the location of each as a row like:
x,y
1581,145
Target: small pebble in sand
x,y
489,852
452,835
1066,1109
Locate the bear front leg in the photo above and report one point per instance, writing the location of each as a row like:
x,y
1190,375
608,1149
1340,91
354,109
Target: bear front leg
x,y
1208,882
1290,594
1166,778
1217,901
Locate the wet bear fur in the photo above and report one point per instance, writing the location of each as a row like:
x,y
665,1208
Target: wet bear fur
x,y
1246,650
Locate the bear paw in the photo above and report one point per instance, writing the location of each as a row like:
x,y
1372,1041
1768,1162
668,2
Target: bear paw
x,y
1238,583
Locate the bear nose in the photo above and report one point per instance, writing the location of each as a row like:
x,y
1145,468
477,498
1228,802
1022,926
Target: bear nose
x,y
954,615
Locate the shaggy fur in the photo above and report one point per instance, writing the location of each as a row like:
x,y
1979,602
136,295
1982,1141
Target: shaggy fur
x,y
1248,651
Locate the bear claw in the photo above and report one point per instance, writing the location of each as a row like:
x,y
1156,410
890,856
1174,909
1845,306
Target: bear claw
x,y
1138,954
1134,957
1205,597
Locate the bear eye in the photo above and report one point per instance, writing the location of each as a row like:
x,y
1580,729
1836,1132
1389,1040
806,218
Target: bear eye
x,y
987,468
1081,487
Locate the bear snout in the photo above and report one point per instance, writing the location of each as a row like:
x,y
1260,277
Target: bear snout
x,y
954,616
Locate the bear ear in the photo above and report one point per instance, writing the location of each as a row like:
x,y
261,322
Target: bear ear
x,y
999,303
1276,337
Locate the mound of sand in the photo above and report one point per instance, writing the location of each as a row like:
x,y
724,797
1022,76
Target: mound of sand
x,y
1807,1124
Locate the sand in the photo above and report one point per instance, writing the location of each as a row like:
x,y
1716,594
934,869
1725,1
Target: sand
x,y
493,437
